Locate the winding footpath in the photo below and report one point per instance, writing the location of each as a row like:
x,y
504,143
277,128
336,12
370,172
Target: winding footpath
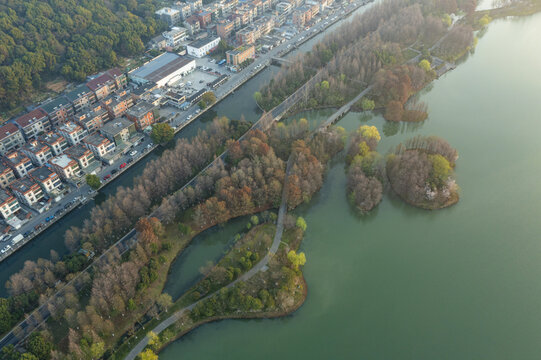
x,y
244,277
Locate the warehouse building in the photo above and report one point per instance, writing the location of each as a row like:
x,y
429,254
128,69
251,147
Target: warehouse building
x,y
202,47
162,69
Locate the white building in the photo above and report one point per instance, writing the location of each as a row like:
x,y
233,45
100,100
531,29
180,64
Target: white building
x,y
162,69
202,47
170,16
175,36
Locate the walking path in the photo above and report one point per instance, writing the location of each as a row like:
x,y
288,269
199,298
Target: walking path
x,y
244,277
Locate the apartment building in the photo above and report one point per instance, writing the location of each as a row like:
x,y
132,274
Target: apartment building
x,y
224,28
56,142
59,110
204,18
107,83
142,114
27,191
81,154
100,146
19,163
192,25
10,138
38,152
184,8
195,4
6,175
80,97
34,123
117,105
48,180
9,205
92,118
64,166
240,54
169,15
73,132
175,36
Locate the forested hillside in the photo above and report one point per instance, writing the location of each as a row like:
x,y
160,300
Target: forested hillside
x,y
73,38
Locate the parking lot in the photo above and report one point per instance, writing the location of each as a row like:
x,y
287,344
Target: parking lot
x,y
196,81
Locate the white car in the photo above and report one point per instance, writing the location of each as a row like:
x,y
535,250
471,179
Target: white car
x,y
133,153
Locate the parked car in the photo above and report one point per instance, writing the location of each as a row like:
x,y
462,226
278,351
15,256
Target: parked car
x,y
49,218
130,160
114,171
106,177
133,153
122,166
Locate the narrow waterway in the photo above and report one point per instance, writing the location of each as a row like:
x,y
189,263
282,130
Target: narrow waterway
x,y
403,283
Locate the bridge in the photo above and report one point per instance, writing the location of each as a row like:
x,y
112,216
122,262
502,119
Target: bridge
x,y
280,61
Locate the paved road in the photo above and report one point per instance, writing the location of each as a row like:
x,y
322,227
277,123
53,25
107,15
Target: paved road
x,y
247,275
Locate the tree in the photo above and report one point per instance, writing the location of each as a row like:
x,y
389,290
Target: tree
x,y
162,133
441,169
202,105
164,302
301,223
93,181
485,20
296,259
148,355
209,98
38,346
425,65
153,340
367,104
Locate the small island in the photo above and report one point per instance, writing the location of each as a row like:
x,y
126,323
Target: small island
x,y
365,172
421,172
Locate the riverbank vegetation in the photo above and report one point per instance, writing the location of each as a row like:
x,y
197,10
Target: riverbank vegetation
x,y
365,170
68,39
123,288
373,49
421,172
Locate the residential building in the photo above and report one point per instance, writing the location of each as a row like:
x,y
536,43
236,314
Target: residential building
x,y
18,162
169,15
118,130
100,146
202,47
38,152
10,138
175,36
184,8
34,123
240,54
80,97
175,99
93,118
64,166
157,42
108,82
195,4
246,36
142,114
6,175
81,154
204,18
224,28
58,110
73,132
192,25
117,105
56,142
9,205
27,191
47,179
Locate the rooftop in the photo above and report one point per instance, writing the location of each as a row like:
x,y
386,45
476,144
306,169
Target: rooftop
x,y
51,138
32,116
7,130
36,146
56,104
78,92
140,109
23,185
160,67
115,126
77,151
202,42
95,139
62,161
16,157
70,127
42,173
5,196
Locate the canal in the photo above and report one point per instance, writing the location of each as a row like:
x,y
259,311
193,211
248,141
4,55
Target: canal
x,y
404,283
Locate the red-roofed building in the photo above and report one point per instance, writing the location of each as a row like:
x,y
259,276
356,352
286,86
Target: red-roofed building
x,y
107,83
34,123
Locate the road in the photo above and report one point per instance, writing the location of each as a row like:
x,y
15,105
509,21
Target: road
x,y
244,277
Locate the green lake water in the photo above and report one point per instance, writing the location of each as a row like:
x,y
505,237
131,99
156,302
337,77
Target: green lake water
x,y
403,283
